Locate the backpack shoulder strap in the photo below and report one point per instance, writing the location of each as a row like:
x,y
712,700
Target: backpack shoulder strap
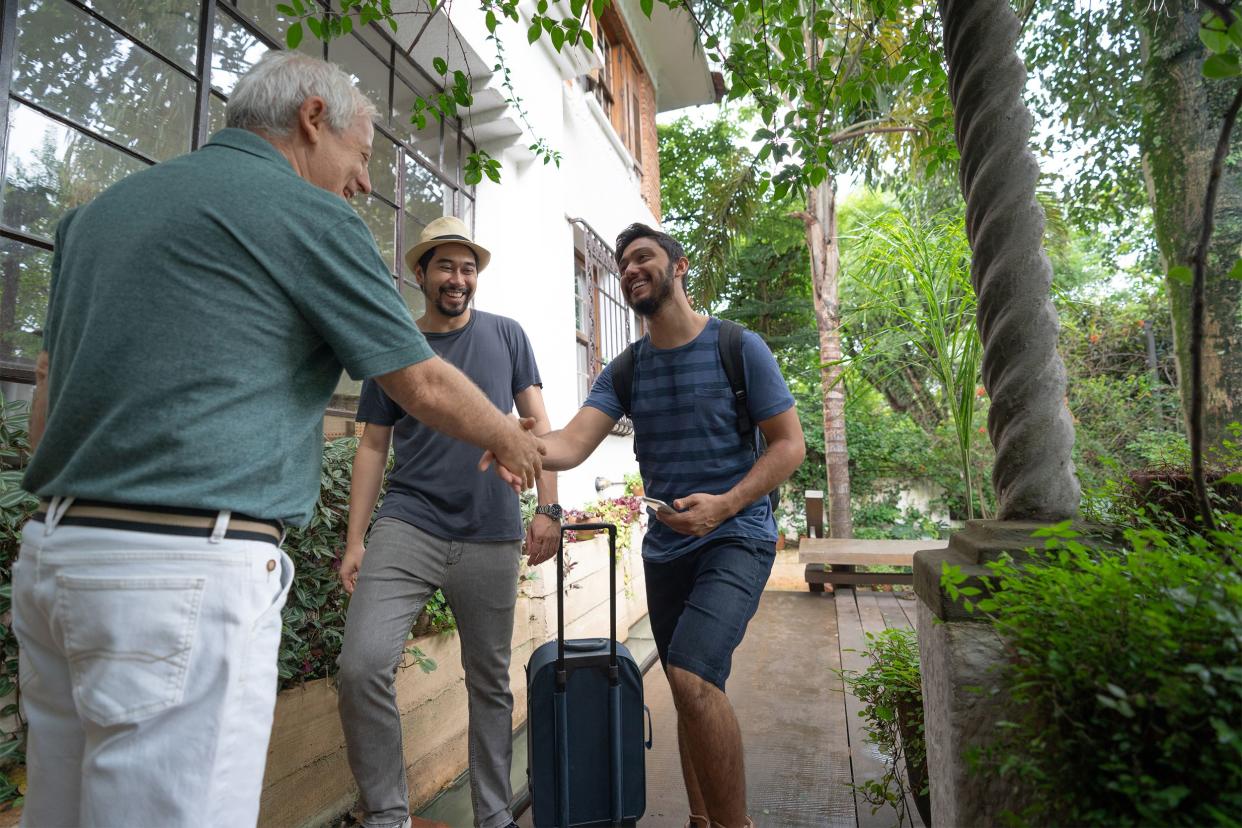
x,y
623,377
730,346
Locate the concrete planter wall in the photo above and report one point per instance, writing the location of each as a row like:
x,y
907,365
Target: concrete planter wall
x,y
308,781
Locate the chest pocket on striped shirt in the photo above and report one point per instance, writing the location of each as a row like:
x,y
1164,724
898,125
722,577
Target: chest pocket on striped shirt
x,y
714,410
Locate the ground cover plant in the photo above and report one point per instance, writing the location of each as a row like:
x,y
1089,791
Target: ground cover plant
x,y
891,693
1124,674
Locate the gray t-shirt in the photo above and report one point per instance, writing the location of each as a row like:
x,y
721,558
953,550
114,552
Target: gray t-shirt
x,y
435,484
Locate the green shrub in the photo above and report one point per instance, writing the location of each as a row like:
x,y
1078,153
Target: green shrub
x,y
314,615
891,693
16,506
1125,675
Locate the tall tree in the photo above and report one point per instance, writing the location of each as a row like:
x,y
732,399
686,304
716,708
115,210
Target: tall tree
x,y
1144,137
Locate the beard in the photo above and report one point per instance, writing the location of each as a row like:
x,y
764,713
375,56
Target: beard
x,y
656,296
450,311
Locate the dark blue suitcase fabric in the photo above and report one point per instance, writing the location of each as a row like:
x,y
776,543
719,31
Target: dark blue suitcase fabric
x,y
588,741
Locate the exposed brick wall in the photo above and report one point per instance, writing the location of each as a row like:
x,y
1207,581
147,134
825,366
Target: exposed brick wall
x,y
650,144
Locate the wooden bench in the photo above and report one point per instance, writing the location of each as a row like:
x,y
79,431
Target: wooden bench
x,y
834,560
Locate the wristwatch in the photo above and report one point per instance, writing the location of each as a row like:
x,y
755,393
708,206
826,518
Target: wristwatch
x,y
552,510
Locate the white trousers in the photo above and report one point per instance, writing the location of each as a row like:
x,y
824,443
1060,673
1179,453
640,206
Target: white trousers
x,y
147,675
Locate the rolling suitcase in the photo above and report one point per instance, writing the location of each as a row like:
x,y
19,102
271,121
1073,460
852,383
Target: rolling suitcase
x,y
584,707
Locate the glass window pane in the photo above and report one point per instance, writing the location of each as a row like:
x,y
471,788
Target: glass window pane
x,y
467,212
424,194
79,67
275,24
426,141
215,113
452,154
369,73
383,166
52,168
413,296
24,275
168,26
234,51
382,220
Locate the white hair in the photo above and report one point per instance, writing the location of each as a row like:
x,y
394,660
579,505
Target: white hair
x,y
268,97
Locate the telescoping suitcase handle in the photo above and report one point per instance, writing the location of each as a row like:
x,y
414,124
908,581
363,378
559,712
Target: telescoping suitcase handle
x,y
613,674
614,677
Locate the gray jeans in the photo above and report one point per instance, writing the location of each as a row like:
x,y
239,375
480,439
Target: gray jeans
x,y
402,568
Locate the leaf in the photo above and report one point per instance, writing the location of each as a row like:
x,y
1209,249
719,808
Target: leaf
x,y
1182,274
1222,66
294,36
1236,271
1216,39
532,34
440,65
647,6
558,38
285,10
312,23
1232,479
588,40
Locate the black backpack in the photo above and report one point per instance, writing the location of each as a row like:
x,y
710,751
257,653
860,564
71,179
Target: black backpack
x,y
730,346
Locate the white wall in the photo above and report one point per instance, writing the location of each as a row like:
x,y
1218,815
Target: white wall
x,y
524,221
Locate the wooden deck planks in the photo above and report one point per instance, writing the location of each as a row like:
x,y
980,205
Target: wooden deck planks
x,y
858,613
894,617
853,620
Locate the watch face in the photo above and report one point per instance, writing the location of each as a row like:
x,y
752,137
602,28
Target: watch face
x,y
552,510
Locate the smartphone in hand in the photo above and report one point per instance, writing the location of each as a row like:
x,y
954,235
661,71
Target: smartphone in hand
x,y
658,506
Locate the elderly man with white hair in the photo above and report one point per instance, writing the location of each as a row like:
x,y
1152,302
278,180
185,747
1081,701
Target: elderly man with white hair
x,y
201,312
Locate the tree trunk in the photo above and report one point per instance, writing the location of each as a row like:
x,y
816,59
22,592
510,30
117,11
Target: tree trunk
x,y
820,220
1182,114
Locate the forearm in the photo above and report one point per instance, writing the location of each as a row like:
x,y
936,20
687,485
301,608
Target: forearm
x,y
364,489
774,467
564,450
38,406
443,398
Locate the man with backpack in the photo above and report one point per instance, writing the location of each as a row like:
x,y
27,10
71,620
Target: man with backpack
x,y
700,392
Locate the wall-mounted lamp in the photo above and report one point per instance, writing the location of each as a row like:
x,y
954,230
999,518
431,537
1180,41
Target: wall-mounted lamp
x,y
602,483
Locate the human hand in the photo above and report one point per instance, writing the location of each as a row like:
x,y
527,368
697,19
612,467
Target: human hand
x,y
519,457
697,514
542,537
351,564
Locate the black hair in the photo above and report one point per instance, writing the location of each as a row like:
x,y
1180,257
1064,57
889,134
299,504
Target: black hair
x,y
425,259
638,230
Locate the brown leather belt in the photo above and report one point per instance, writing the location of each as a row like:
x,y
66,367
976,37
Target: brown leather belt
x,y
197,523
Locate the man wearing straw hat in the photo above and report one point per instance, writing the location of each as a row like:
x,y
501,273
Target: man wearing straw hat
x,y
442,526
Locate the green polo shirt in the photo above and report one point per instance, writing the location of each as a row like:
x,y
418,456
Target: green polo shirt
x,y
199,317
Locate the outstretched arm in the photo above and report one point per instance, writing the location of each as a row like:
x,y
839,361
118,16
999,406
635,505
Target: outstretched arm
x,y
442,397
574,443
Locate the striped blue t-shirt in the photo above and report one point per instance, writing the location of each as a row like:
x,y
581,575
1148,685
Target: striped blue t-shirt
x,y
685,430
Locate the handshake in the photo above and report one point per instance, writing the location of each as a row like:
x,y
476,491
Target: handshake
x,y
517,453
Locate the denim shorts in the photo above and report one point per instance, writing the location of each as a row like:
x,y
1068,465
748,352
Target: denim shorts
x,y
701,602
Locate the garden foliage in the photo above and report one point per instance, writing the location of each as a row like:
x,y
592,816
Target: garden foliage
x,y
1124,676
15,507
891,693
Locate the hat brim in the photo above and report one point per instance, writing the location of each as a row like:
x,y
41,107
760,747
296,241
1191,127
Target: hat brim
x,y
416,252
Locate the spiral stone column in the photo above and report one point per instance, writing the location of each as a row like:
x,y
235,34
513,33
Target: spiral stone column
x,y
1029,423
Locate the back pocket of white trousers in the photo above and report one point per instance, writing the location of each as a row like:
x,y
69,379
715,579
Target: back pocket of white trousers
x,y
128,641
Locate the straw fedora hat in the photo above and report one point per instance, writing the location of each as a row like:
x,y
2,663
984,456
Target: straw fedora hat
x,y
446,229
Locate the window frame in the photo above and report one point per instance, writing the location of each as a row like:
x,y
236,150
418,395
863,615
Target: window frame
x,y
459,198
